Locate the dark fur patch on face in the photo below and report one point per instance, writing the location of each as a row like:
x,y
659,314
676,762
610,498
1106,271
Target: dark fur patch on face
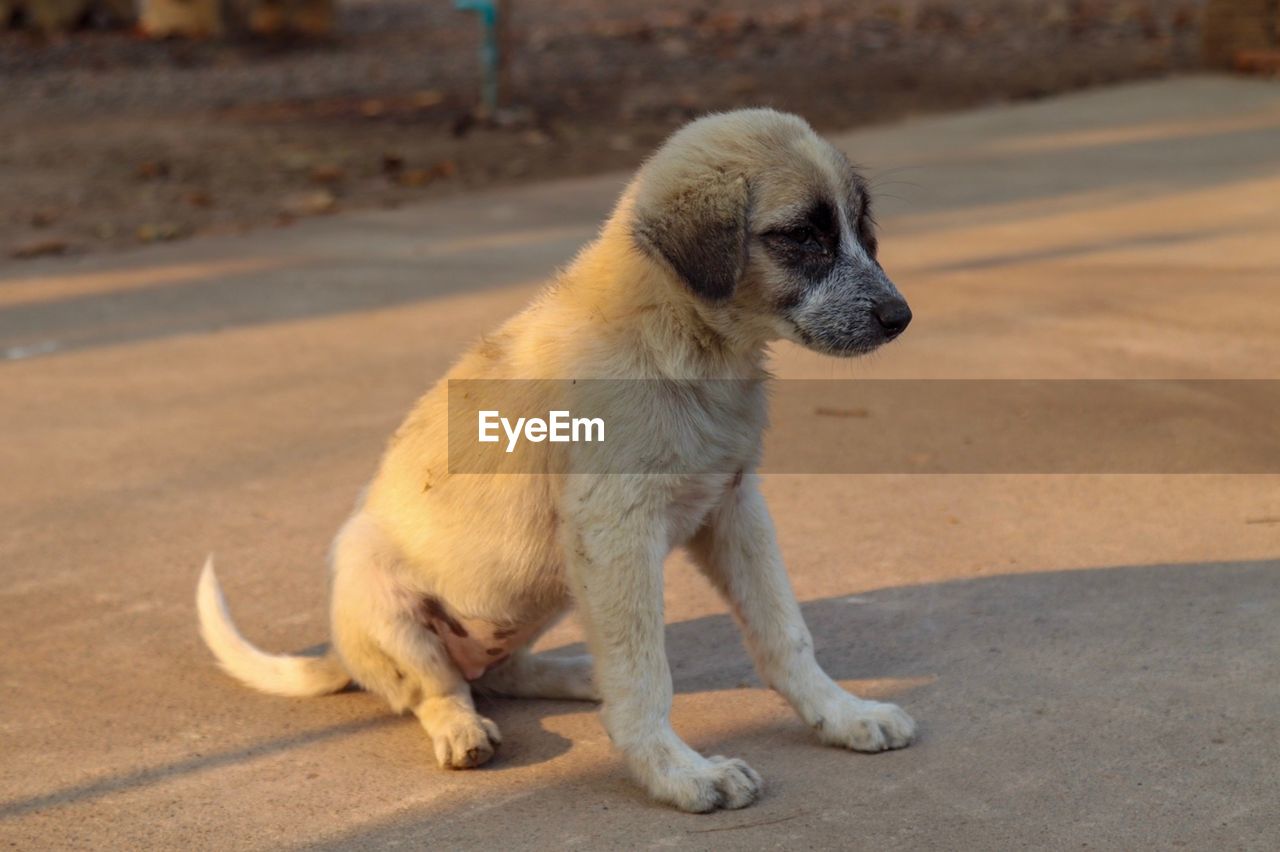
x,y
865,227
808,247
859,199
430,608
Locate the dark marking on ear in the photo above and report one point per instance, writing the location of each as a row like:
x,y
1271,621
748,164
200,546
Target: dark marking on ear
x,y
700,231
431,610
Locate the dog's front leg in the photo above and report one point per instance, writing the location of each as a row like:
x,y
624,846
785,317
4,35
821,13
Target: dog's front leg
x,y
738,551
615,542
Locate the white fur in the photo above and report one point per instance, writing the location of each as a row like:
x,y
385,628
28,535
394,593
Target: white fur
x,y
277,674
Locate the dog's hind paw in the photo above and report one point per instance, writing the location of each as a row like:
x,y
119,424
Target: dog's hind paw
x,y
465,742
865,726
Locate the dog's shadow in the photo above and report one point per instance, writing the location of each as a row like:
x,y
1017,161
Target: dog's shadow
x,y
1051,665
854,637
1022,626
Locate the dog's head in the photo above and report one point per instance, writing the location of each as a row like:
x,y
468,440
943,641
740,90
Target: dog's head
x,y
752,209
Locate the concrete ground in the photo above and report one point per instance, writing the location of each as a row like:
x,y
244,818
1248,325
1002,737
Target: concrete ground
x,y
1094,660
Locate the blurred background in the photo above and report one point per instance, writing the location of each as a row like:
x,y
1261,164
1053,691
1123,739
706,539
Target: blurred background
x,y
138,121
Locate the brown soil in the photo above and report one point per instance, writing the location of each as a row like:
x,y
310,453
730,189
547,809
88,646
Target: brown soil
x,y
107,140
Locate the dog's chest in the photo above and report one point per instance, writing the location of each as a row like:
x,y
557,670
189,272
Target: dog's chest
x,y
712,427
720,442
697,498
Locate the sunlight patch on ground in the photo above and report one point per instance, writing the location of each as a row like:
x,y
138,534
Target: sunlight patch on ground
x,y
49,288
1155,131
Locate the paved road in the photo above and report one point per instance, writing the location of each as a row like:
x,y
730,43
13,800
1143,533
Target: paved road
x,y
1095,660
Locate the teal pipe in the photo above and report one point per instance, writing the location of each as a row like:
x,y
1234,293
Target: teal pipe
x,y
489,50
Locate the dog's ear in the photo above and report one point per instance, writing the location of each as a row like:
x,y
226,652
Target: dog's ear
x,y
696,224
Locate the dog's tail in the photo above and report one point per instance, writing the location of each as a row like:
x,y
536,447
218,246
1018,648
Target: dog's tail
x,y
278,674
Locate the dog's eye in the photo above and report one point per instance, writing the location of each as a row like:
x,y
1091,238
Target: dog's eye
x,y
807,238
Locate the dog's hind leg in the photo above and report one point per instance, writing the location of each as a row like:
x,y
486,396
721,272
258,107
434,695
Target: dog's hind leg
x,y
389,651
423,679
528,675
461,737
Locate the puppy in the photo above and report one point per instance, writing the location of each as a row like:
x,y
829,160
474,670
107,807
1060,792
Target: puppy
x,y
743,228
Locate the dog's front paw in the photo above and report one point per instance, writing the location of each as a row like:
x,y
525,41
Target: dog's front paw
x,y
865,725
700,784
465,742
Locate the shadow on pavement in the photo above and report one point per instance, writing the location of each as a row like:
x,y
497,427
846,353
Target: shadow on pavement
x,y
1089,698
1071,686
111,784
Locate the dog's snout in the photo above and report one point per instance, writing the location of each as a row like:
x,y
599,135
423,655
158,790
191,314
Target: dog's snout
x,y
893,315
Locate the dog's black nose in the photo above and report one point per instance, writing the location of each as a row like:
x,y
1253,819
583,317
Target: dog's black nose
x,y
893,315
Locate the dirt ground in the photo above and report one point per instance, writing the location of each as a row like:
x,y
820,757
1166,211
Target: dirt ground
x,y
107,140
